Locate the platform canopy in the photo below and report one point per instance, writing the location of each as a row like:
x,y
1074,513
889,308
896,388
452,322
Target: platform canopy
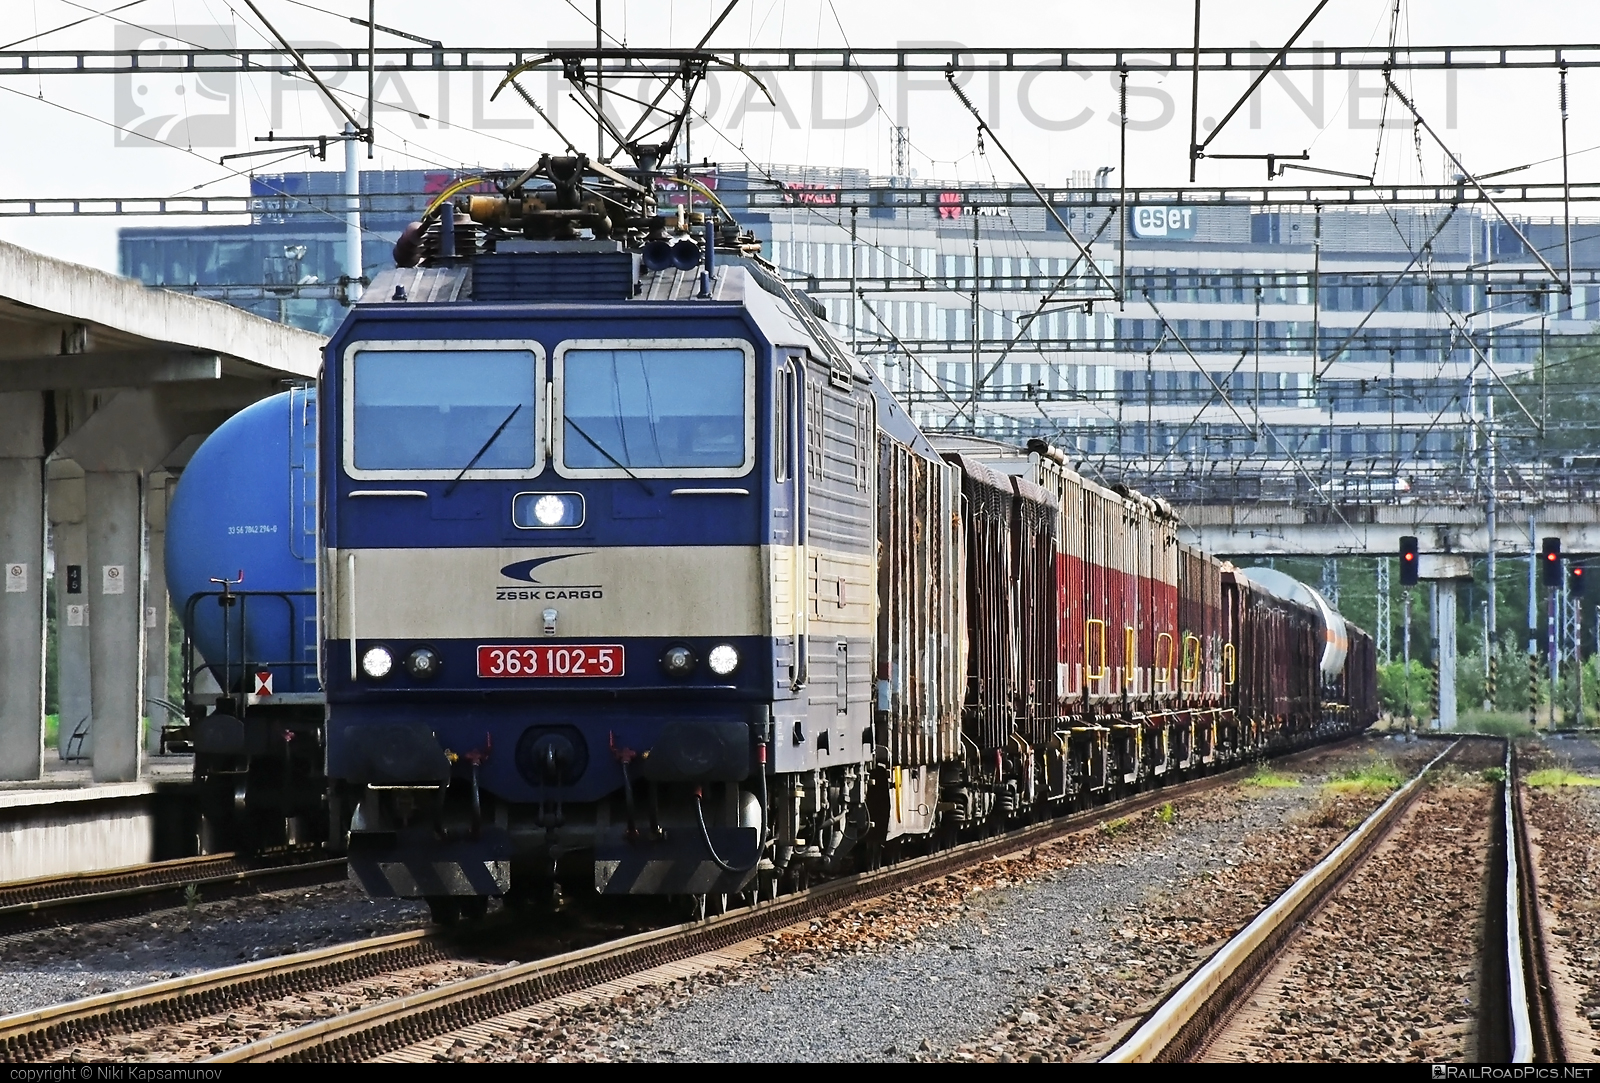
x,y
64,326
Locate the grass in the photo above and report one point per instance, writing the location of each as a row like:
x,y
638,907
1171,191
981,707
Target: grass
x,y
1166,813
1112,828
52,730
1494,724
1560,776
1375,775
1268,779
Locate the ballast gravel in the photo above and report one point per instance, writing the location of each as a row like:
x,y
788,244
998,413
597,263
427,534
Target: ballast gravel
x,y
1048,955
1388,969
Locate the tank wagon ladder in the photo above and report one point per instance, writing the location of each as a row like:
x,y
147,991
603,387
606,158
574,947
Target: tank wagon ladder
x,y
303,499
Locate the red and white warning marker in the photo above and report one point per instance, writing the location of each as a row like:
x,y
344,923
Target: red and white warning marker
x,y
264,683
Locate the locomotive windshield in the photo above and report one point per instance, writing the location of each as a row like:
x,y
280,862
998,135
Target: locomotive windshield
x,y
441,410
678,410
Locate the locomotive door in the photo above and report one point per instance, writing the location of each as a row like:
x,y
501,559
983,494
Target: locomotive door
x,y
788,523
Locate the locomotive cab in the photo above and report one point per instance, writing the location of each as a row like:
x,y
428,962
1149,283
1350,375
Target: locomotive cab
x,y
568,612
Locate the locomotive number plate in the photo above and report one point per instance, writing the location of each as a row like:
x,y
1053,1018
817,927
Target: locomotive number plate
x,y
551,660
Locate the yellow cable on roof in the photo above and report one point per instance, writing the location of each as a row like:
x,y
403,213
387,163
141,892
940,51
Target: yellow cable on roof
x,y
450,191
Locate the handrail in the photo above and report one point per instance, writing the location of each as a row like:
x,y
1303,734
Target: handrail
x,y
1230,664
1089,672
1130,653
1191,672
1165,674
235,658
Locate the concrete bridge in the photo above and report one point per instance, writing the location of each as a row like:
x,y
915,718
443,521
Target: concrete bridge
x,y
1257,530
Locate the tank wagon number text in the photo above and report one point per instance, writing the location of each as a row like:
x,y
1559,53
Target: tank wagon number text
x,y
544,660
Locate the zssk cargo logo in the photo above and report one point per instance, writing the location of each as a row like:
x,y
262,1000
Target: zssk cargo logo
x,y
523,570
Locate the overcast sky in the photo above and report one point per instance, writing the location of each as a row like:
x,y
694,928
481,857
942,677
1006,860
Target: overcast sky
x,y
63,138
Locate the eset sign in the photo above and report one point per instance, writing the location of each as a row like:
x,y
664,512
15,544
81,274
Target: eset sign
x,y
1170,223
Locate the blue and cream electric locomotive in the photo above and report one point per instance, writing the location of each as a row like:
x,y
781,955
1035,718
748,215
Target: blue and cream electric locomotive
x,y
573,598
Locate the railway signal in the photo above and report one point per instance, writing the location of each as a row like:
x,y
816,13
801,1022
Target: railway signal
x,y
1575,581
1551,562
1408,561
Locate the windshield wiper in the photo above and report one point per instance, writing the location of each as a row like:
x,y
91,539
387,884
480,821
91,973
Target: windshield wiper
x,y
615,461
486,445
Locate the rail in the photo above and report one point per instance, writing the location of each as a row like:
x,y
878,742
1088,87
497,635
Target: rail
x,y
1535,1025
1180,1023
49,901
33,1036
1524,1009
383,1027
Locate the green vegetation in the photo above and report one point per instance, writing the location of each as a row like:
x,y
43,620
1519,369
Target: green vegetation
x,y
1375,775
1560,776
1493,774
1166,813
1268,779
1494,724
1112,828
52,730
1393,692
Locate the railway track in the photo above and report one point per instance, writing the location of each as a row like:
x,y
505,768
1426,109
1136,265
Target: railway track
x,y
49,901
254,999
1239,996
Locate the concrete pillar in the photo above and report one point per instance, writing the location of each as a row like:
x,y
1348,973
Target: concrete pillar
x,y
22,611
156,608
114,507
70,539
1444,633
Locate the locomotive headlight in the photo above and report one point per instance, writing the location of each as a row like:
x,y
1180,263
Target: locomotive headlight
x,y
377,662
550,509
723,659
423,663
678,661
547,511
